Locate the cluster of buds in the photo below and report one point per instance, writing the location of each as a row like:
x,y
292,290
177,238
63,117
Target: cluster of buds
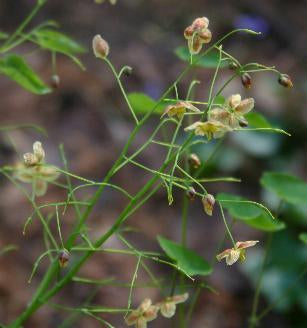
x,y
197,34
179,109
101,47
147,311
34,171
232,255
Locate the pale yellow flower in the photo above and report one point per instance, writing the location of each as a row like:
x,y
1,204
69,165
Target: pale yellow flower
x,y
233,112
34,171
197,34
179,109
209,129
144,313
232,255
168,306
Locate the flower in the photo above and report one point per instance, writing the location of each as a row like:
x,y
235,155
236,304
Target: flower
x,y
101,47
179,109
208,203
168,306
34,171
232,255
144,313
232,114
197,34
209,129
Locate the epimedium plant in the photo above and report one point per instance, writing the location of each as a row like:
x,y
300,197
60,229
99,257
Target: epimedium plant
x,y
197,123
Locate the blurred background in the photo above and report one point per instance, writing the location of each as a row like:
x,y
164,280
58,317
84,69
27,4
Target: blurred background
x,y
88,115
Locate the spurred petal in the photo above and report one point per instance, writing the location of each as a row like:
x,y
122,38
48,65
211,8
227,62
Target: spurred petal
x,y
246,244
200,23
233,101
245,106
224,254
194,44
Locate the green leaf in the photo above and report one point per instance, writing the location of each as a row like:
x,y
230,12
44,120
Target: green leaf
x,y
265,223
303,237
288,187
242,211
18,70
58,42
257,120
209,60
186,259
253,214
142,103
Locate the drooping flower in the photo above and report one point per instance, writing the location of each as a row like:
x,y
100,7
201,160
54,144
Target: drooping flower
x,y
285,81
179,109
232,114
197,34
232,255
34,171
144,313
168,306
211,128
208,203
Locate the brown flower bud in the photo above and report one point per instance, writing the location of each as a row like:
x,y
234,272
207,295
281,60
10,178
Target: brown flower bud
x,y
191,193
194,161
63,258
55,81
100,47
127,70
246,80
233,66
285,81
208,203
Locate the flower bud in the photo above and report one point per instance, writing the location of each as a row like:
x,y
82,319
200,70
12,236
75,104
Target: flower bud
x,y
30,159
208,203
285,81
55,81
191,193
127,70
233,66
63,258
246,80
100,47
194,161
38,151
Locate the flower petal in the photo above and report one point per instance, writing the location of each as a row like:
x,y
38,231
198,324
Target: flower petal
x,y
168,309
233,101
232,257
246,244
245,106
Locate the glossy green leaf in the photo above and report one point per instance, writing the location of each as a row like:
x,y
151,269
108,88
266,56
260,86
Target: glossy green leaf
x,y
58,42
17,69
186,259
303,237
253,214
142,103
209,60
257,120
286,186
